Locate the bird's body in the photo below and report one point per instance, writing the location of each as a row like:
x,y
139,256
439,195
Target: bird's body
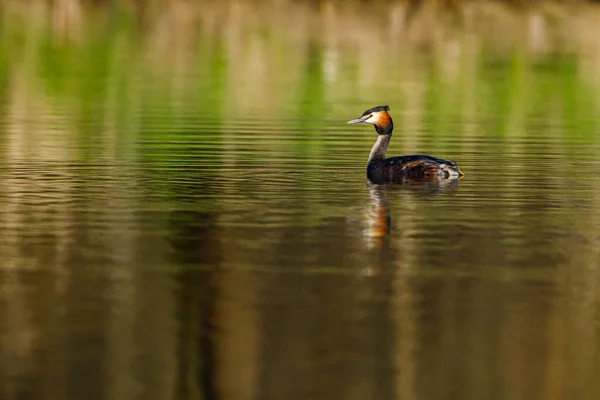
x,y
402,168
414,166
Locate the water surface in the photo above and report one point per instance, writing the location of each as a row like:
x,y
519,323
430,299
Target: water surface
x,y
185,214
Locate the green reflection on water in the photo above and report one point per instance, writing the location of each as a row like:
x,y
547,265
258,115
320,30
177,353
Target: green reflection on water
x,y
112,70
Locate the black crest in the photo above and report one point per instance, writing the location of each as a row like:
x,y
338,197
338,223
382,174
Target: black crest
x,y
375,109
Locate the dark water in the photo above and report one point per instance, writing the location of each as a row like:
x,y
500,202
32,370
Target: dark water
x,y
195,226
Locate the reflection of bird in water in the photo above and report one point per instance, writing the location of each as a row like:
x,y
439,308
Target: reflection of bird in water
x,y
378,221
431,186
378,227
378,218
399,169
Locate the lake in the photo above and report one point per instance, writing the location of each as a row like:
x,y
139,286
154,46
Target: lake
x,y
186,215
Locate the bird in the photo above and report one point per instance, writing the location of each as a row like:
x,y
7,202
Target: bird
x,y
402,168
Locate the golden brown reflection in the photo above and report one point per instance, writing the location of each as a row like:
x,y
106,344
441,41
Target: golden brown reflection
x,y
130,327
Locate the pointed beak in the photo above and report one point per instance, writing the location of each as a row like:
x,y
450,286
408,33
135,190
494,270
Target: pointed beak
x,y
358,120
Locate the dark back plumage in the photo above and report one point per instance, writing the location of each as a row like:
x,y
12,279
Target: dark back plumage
x,y
398,169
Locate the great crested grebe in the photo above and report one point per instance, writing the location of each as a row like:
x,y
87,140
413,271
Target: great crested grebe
x,y
399,169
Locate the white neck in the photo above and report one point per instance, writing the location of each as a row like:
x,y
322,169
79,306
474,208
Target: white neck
x,y
379,148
